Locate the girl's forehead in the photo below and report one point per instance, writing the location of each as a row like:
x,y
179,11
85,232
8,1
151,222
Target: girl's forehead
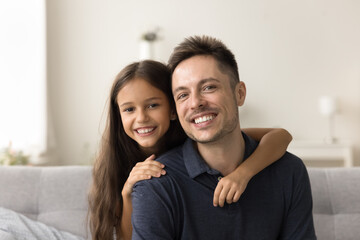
x,y
139,89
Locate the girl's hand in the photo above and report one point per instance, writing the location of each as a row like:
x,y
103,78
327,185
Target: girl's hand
x,y
141,171
230,188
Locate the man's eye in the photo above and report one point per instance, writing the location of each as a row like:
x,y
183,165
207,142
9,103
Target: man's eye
x,y
181,96
210,87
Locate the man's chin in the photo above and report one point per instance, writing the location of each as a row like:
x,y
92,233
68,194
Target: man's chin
x,y
204,139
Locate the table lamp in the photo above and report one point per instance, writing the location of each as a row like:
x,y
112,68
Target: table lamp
x,y
328,108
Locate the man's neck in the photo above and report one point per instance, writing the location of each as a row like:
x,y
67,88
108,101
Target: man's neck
x,y
226,154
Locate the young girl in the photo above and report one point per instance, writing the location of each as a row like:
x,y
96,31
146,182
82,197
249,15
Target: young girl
x,y
142,124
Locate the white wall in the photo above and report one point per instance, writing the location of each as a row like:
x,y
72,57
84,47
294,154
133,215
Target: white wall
x,y
289,53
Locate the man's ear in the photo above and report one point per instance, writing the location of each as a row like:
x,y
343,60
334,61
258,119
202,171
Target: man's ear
x,y
173,115
240,93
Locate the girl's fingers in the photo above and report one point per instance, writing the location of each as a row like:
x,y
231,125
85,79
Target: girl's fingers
x,y
223,195
152,157
217,194
147,169
132,180
142,171
149,163
157,172
225,191
139,176
230,195
236,196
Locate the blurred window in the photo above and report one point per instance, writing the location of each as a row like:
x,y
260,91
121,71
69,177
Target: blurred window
x,y
23,75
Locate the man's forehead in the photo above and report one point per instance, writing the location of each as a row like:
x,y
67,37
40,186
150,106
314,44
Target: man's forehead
x,y
196,61
198,69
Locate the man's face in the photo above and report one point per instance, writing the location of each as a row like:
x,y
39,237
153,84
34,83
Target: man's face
x,y
205,102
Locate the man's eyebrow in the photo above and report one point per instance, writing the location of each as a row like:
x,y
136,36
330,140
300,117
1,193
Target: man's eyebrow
x,y
206,80
178,89
203,81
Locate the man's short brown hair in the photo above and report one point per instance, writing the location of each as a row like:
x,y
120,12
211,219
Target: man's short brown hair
x,y
208,46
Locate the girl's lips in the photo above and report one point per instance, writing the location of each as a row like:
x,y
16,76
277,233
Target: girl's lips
x,y
144,131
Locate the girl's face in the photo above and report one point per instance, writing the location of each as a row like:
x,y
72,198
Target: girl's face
x,y
145,113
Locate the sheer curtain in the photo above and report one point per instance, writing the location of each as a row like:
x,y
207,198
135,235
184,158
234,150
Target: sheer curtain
x,y
23,115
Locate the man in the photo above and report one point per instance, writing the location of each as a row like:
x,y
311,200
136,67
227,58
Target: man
x,y
277,202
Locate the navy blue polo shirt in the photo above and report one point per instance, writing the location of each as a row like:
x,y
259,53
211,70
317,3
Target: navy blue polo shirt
x,y
276,204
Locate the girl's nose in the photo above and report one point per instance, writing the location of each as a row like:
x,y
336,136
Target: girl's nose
x,y
142,116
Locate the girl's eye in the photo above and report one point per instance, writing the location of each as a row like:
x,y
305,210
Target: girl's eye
x,y
154,105
130,109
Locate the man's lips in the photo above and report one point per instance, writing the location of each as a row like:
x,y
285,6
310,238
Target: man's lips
x,y
203,118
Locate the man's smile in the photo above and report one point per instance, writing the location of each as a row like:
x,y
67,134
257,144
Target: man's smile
x,y
204,118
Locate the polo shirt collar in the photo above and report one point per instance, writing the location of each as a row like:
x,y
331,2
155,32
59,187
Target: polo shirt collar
x,y
196,165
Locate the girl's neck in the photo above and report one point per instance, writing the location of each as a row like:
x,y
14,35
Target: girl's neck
x,y
158,149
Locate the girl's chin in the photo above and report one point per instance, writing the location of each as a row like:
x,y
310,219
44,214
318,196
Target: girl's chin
x,y
148,148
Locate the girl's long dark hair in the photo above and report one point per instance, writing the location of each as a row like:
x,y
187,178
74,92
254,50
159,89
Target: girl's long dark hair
x,y
119,153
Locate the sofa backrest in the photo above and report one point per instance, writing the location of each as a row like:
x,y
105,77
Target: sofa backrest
x,y
336,199
56,196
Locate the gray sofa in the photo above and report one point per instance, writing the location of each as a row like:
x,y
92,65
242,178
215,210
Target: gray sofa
x,y
336,199
57,196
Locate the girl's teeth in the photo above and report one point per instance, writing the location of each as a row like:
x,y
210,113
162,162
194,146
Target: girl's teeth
x,y
204,119
146,130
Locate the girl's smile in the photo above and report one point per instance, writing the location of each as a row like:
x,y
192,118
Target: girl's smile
x,y
145,131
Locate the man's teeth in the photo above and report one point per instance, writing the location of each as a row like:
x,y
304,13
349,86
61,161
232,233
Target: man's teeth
x,y
144,130
203,119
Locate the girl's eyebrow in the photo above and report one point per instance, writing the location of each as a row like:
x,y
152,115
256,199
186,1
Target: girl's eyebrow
x,y
147,100
125,104
153,98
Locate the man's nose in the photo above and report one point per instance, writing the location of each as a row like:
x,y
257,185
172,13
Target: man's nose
x,y
196,101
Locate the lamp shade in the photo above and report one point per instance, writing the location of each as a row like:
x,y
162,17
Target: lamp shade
x,y
327,105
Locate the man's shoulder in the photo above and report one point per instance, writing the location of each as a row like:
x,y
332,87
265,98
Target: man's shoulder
x,y
173,160
171,155
174,166
290,160
289,166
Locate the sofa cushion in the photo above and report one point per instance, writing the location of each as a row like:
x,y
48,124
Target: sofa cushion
x,y
336,198
18,226
56,196
19,187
